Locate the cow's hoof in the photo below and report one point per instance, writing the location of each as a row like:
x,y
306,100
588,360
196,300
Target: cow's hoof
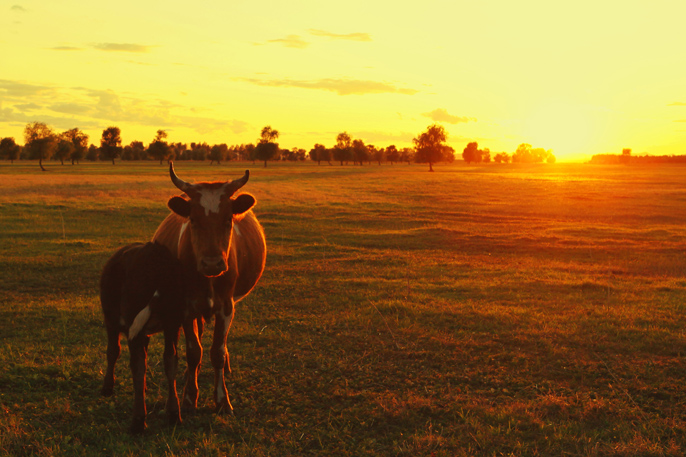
x,y
224,408
174,418
138,426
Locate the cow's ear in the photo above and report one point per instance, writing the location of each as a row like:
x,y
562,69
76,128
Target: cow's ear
x,y
180,206
242,203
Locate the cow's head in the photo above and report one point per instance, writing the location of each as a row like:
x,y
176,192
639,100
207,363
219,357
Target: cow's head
x,y
211,211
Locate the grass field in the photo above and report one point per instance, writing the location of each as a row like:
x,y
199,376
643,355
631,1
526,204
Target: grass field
x,y
493,310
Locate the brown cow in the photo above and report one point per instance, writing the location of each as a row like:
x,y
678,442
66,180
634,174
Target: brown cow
x,y
143,290
217,235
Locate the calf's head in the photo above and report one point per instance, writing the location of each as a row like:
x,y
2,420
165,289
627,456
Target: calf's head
x,y
211,211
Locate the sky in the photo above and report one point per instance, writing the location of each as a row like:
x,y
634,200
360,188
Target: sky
x,y
579,78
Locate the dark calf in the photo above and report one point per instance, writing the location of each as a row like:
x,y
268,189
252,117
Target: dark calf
x,y
143,291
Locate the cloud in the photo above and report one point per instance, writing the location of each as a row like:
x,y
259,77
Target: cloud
x,y
291,41
66,48
122,47
441,115
19,89
677,104
18,8
342,36
342,86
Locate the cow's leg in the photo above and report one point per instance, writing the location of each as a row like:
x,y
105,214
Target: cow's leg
x,y
171,363
113,351
219,356
138,347
193,359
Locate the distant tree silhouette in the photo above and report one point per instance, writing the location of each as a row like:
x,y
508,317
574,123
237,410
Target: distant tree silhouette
x,y
199,151
430,148
80,142
134,151
218,152
360,152
159,149
64,149
502,157
320,153
626,156
93,153
9,149
110,144
266,149
407,155
471,153
392,154
40,142
343,151
526,154
378,154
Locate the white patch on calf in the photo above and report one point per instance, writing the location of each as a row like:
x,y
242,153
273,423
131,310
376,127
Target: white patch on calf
x,y
236,229
140,321
210,199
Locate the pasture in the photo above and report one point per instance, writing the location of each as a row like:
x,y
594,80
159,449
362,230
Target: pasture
x,y
490,310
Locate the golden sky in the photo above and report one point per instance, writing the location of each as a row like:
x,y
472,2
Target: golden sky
x,y
579,78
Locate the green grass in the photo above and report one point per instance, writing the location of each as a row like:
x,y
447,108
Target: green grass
x,y
490,310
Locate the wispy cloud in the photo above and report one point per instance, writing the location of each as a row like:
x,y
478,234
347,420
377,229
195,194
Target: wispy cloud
x,y
122,47
291,41
66,48
677,104
18,8
341,86
342,36
442,115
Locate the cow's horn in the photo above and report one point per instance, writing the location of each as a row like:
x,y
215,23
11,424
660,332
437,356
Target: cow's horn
x,y
240,182
178,182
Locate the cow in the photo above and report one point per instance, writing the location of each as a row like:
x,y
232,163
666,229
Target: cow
x,y
214,233
143,290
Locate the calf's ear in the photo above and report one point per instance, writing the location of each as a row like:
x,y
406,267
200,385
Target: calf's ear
x,y
180,206
242,203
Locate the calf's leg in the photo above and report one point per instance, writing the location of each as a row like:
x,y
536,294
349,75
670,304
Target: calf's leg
x,y
138,347
171,363
113,352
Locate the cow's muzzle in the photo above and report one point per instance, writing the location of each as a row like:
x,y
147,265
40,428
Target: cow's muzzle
x,y
212,266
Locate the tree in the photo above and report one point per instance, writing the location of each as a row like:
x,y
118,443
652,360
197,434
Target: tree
x,y
526,154
40,142
551,158
502,157
625,158
266,149
379,154
134,151
218,152
343,151
159,149
64,149
9,149
110,144
93,153
471,153
319,153
406,155
360,151
392,154
80,142
430,146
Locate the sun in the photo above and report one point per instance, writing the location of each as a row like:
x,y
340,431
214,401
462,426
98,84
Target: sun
x,y
565,128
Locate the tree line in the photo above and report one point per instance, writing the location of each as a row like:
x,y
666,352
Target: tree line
x,y
41,143
626,158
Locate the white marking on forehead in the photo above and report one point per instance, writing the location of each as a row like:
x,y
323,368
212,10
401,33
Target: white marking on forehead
x,y
210,199
184,226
